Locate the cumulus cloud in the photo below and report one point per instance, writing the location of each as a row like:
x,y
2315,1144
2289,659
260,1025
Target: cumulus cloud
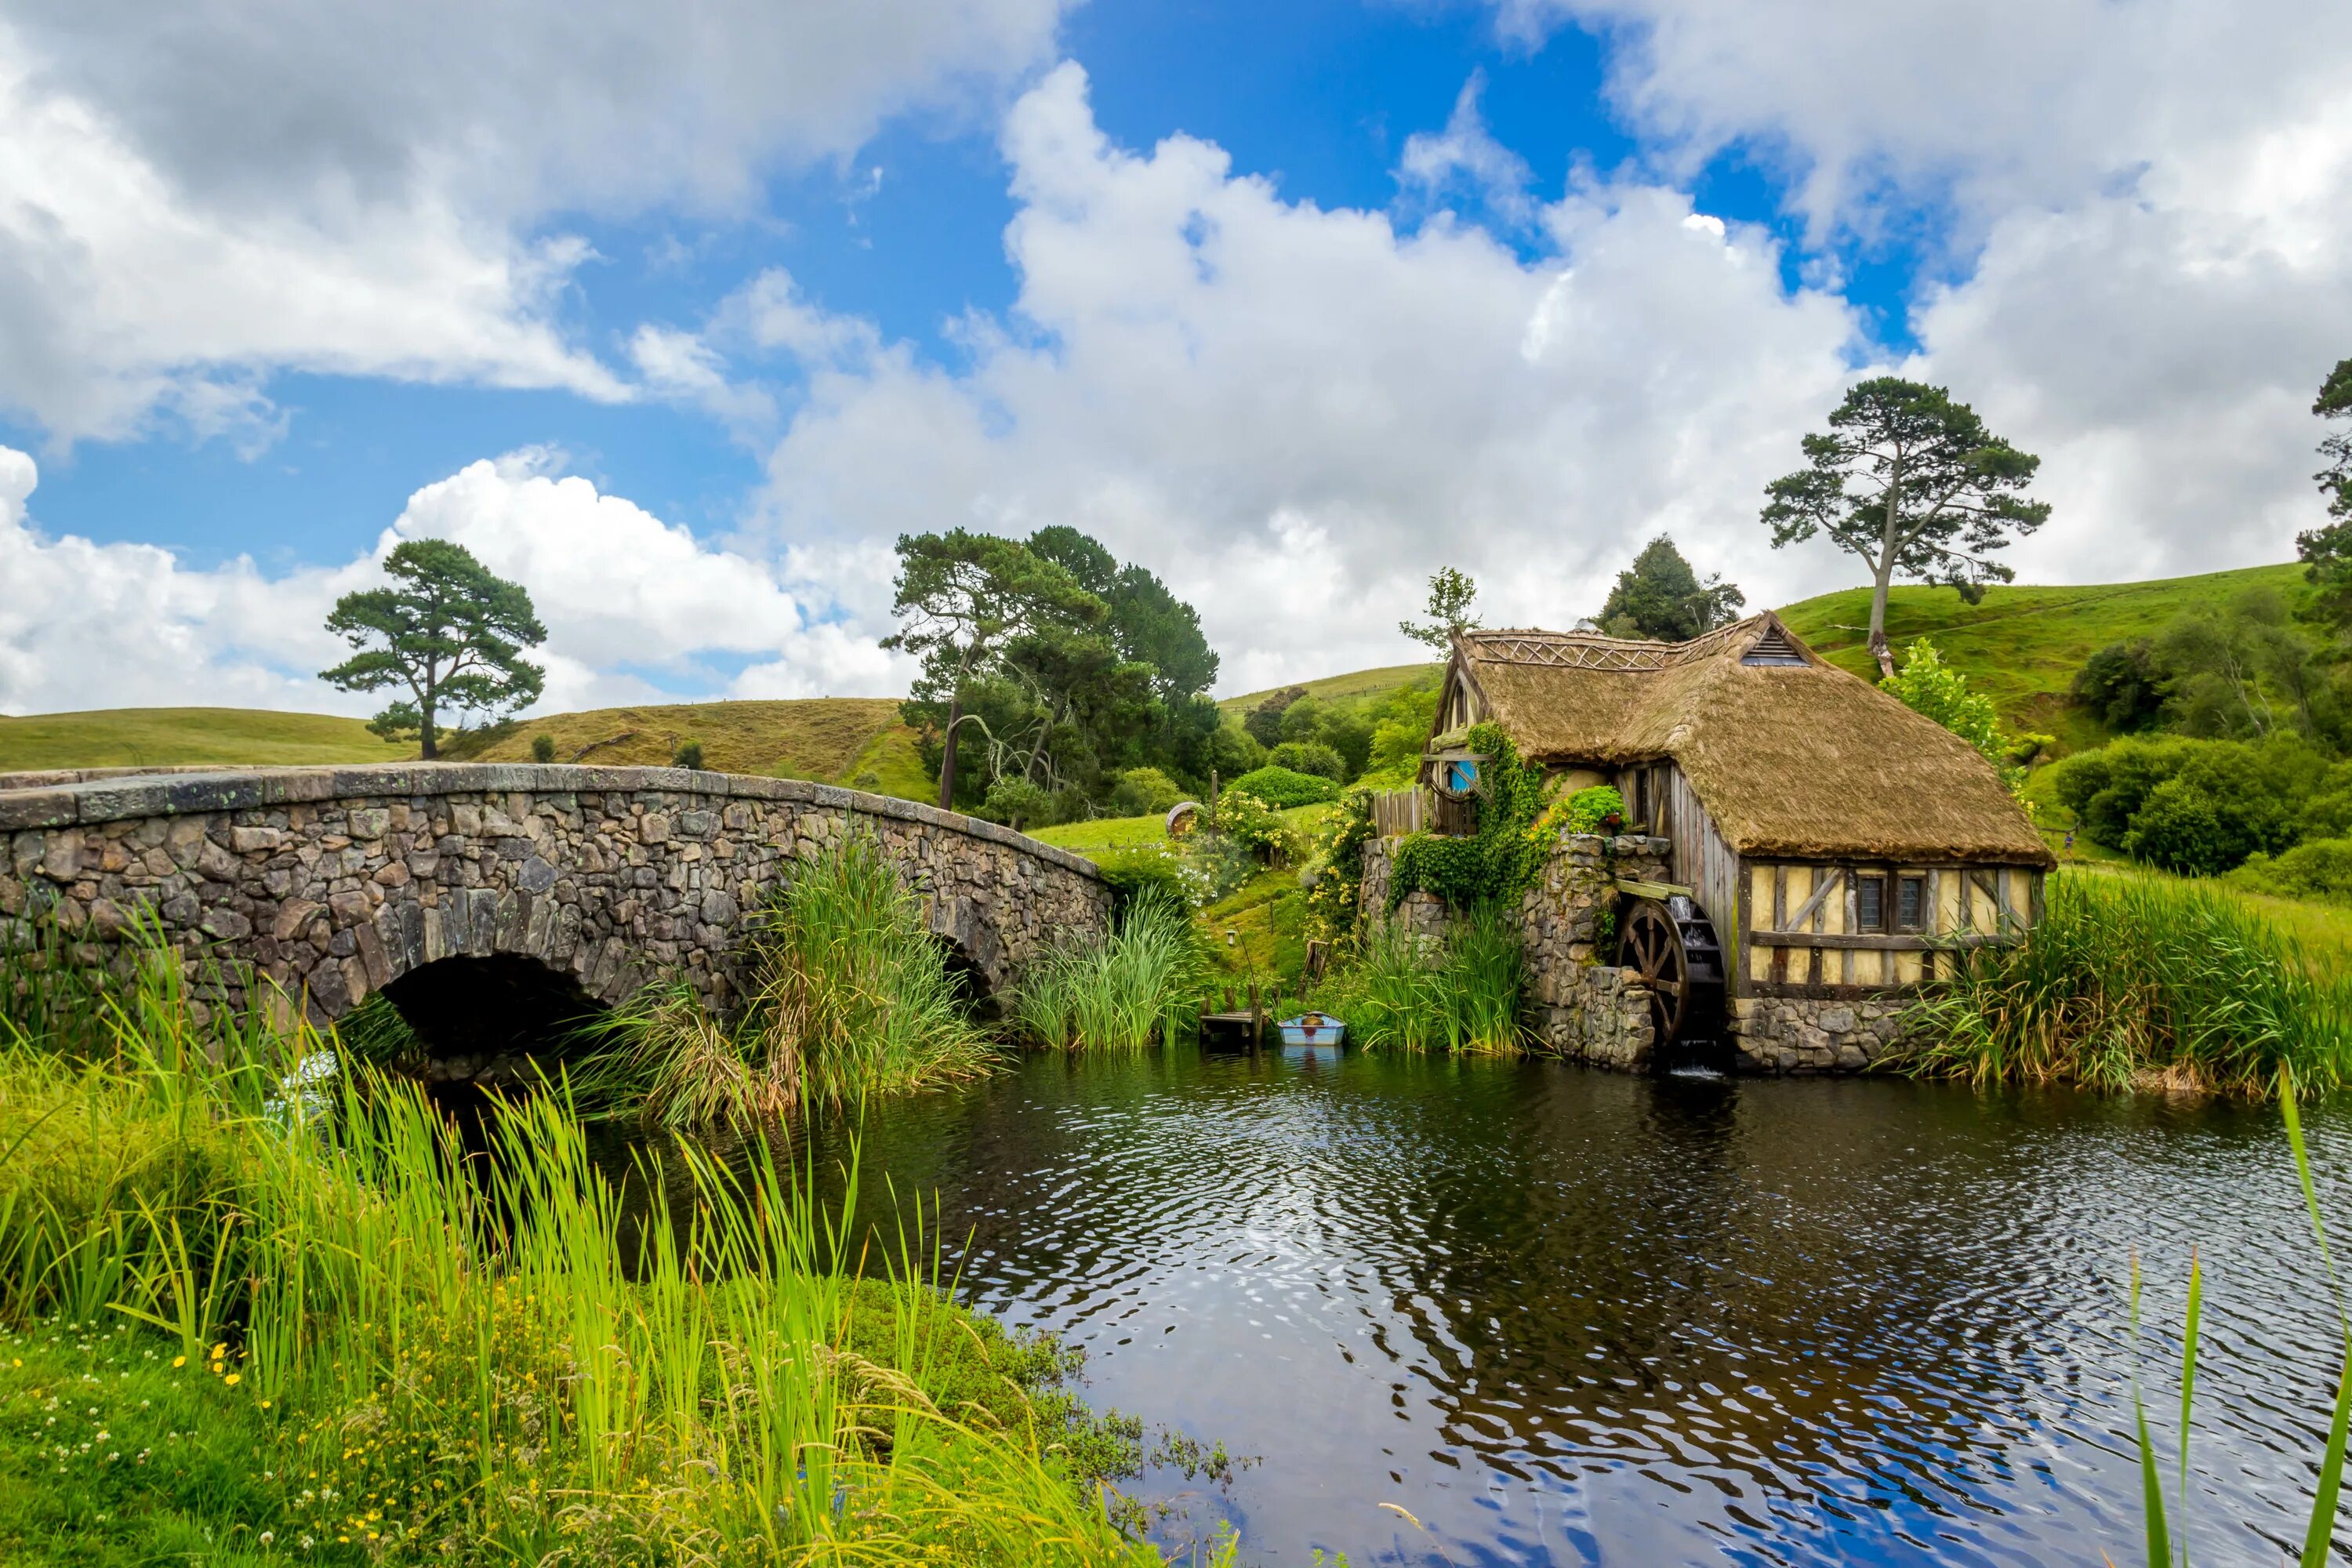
x,y
191,201
634,607
2145,214
1295,413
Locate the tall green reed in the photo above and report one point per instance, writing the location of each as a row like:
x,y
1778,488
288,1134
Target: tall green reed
x,y
1135,984
1457,994
2140,979
2319,1532
848,993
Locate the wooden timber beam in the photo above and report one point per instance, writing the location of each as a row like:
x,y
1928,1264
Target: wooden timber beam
x,y
1653,889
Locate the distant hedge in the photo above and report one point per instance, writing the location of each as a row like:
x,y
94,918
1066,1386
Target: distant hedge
x,y
1282,789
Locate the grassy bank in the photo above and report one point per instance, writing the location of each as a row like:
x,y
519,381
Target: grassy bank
x,y
162,737
248,1327
1460,994
2144,981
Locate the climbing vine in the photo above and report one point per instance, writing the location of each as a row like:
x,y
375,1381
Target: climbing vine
x,y
1503,858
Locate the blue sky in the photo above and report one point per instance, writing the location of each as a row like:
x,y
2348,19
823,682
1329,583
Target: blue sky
x,y
1511,286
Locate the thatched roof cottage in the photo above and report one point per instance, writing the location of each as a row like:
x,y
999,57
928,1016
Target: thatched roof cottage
x,y
1823,839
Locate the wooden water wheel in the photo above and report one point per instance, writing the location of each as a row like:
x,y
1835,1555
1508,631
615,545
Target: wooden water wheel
x,y
1671,945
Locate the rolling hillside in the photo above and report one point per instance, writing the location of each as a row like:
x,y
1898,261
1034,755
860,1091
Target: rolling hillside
x,y
839,739
157,737
2021,645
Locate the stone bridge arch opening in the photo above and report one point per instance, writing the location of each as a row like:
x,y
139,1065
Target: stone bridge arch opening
x,y
490,1019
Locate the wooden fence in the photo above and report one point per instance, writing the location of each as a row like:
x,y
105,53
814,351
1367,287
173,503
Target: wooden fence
x,y
1398,812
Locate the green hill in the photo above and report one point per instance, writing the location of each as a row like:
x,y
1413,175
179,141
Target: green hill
x,y
1363,684
158,737
840,739
2022,645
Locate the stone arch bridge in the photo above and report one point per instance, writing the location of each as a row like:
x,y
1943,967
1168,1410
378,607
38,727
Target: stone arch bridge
x,y
546,884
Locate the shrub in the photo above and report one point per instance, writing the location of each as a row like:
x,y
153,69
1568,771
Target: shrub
x,y
1249,822
688,755
542,748
1144,792
1308,757
1339,864
1197,871
2123,684
2316,868
1929,687
1019,805
1283,789
2179,827
2214,802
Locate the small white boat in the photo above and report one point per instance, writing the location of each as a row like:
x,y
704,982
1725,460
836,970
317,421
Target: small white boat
x,y
1312,1029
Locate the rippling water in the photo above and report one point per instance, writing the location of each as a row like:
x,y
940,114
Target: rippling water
x,y
1565,1316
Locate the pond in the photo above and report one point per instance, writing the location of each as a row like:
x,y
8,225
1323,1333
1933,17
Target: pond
x,y
1559,1315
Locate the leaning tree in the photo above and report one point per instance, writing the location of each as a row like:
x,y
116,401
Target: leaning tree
x,y
1913,484
449,631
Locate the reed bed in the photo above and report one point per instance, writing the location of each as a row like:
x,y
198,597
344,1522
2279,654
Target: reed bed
x,y
1133,986
374,1346
2141,981
1458,995
849,994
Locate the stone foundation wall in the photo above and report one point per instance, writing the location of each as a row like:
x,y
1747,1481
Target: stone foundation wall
x,y
1808,1034
333,882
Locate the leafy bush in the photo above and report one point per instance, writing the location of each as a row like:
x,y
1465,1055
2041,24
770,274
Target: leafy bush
x,y
1282,789
1196,871
542,748
1251,823
1308,757
1929,687
688,755
2316,868
1338,862
1583,811
2123,684
2208,804
1018,804
1144,792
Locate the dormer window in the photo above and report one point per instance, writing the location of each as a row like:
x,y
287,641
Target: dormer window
x,y
1773,648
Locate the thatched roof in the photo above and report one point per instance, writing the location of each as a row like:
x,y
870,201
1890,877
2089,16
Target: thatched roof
x,y
1790,755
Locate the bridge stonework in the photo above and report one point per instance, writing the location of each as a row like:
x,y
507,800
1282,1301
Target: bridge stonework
x,y
335,882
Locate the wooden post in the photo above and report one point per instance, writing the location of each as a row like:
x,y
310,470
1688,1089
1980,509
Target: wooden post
x,y
1257,1016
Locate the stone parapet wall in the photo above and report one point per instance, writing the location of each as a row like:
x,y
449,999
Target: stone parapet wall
x,y
335,881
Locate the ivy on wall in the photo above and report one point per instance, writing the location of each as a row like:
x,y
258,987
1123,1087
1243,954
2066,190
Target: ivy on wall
x,y
1505,856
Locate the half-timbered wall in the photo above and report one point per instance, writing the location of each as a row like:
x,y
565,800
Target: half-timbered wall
x,y
1809,927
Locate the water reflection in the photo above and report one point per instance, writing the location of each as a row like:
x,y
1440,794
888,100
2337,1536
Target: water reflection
x,y
1564,1316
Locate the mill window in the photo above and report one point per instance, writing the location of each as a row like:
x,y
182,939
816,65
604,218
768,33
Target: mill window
x,y
1870,903
1910,903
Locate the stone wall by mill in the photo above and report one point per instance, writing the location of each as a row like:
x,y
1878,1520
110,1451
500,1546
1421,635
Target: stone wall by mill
x,y
1578,1003
333,882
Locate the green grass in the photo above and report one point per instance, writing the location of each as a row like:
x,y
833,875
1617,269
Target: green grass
x,y
162,737
333,1321
2143,981
2022,645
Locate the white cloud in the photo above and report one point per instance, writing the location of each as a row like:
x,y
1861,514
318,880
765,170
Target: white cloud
x,y
2150,207
626,598
1295,414
189,203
